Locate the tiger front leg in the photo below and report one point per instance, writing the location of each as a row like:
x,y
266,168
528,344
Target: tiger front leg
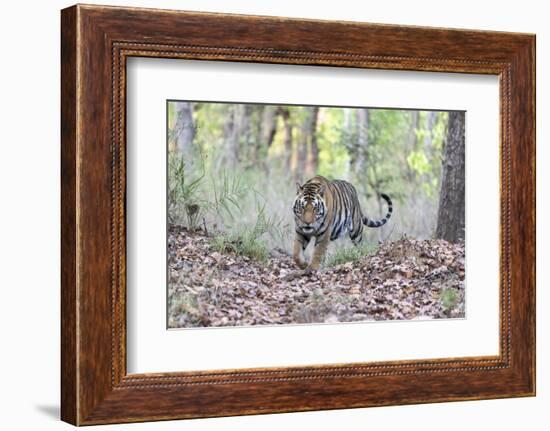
x,y
321,245
300,244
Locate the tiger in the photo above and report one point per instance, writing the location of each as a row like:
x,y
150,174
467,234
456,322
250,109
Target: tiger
x,y
327,210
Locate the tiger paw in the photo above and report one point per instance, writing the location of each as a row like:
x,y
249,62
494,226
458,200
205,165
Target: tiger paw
x,y
300,264
312,268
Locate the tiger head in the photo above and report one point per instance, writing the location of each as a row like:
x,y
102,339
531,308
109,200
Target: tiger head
x,y
310,208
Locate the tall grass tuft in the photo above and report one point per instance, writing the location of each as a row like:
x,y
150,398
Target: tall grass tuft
x,y
227,194
249,241
191,197
184,196
350,253
449,298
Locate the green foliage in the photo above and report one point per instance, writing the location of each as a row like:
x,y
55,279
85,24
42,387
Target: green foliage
x,y
418,162
350,254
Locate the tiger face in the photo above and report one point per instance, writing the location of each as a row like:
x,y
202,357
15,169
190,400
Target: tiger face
x,y
310,210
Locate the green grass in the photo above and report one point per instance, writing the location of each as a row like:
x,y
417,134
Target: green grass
x,y
242,244
182,303
227,193
184,193
449,298
248,241
350,254
191,195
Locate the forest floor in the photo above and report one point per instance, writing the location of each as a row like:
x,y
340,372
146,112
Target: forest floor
x,y
402,280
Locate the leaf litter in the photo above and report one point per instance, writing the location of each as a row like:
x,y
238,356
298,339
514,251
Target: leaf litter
x,y
403,280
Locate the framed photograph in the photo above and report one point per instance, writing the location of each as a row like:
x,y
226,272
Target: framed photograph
x,y
263,214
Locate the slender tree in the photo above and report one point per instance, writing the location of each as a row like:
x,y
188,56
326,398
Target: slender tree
x,y
359,147
313,158
230,136
308,126
184,131
248,133
363,120
235,129
287,124
347,119
429,124
451,218
269,125
412,142
267,128
414,126
302,146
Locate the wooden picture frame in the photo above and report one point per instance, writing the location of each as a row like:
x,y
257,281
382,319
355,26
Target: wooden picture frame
x,y
95,43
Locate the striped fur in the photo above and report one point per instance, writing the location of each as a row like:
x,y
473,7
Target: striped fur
x,y
327,210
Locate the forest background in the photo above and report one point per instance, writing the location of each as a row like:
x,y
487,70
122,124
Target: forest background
x,y
233,168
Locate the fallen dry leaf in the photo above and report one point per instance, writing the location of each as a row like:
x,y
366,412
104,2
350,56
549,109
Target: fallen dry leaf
x,y
404,280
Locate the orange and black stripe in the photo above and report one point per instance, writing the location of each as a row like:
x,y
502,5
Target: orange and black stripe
x,y
346,216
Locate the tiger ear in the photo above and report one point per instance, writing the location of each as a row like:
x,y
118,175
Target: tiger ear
x,y
298,187
322,190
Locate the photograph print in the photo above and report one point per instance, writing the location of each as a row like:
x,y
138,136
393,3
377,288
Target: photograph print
x,y
288,214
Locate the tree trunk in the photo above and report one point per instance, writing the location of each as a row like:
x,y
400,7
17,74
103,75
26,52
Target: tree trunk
x,y
285,114
360,149
415,123
313,159
347,120
234,129
363,119
185,132
451,217
431,117
302,150
266,134
269,125
246,135
412,144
